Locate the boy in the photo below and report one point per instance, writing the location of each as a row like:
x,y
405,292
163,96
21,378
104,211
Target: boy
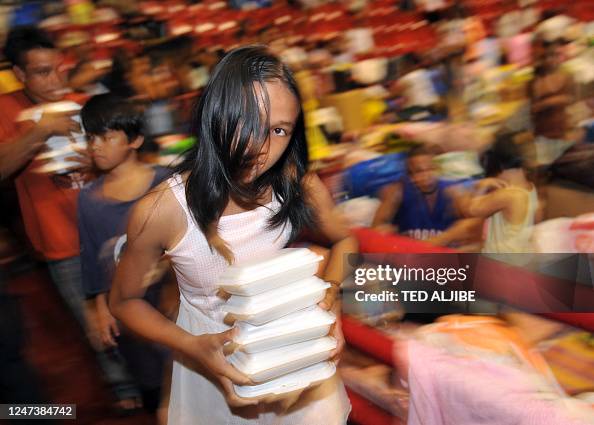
x,y
420,205
114,130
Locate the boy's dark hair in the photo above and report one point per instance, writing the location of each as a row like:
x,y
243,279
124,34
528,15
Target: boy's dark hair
x,y
421,150
505,154
106,112
230,130
21,40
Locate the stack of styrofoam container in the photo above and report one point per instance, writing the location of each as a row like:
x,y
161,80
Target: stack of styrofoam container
x,y
282,339
58,149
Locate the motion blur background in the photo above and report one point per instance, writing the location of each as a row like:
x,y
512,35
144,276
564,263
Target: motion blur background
x,y
377,78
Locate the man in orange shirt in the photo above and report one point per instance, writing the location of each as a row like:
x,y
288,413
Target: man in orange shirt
x,y
48,203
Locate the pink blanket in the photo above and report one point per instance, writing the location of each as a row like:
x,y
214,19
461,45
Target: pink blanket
x,y
448,389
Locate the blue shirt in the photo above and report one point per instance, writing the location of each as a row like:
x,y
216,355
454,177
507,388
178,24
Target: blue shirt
x,y
414,217
102,231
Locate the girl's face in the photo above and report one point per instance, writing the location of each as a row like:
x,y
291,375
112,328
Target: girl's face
x,y
284,110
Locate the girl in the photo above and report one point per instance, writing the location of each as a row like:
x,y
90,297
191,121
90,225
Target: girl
x,y
243,192
508,200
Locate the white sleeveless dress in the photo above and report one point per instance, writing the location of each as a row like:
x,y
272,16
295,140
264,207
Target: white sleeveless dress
x,y
195,400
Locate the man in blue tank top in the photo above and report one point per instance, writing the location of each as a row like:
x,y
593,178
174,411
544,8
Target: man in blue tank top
x,y
420,205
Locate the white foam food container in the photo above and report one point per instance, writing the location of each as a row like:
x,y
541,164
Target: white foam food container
x,y
63,152
57,167
35,113
303,325
293,381
274,304
261,275
59,150
270,364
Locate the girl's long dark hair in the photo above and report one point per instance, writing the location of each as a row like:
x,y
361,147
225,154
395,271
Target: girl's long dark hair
x,y
231,131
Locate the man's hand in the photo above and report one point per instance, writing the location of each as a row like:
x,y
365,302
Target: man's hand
x,y
58,124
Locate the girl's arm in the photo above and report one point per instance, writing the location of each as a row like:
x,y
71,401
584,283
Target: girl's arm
x,y
335,228
473,204
153,221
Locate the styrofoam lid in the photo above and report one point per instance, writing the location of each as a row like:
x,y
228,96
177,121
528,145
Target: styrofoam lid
x,y
275,297
57,167
290,382
253,363
305,319
67,150
259,268
35,113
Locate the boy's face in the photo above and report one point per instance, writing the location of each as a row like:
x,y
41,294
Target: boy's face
x,y
112,148
422,172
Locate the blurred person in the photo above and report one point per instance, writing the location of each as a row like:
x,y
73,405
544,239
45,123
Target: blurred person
x,y
489,50
451,48
507,199
553,25
153,82
114,128
416,87
20,383
473,27
86,73
48,203
551,92
520,17
242,193
511,22
432,9
518,48
421,207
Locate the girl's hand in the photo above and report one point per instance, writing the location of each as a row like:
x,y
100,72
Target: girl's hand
x,y
329,303
336,332
207,350
331,293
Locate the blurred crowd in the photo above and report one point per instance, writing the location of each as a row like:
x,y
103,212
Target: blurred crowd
x,y
463,123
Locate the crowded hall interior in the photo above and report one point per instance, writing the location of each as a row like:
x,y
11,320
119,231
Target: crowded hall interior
x,y
298,212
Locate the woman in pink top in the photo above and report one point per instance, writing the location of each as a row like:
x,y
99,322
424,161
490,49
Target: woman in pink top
x,y
243,192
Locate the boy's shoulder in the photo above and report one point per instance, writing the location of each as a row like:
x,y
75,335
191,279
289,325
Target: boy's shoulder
x,y
91,187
